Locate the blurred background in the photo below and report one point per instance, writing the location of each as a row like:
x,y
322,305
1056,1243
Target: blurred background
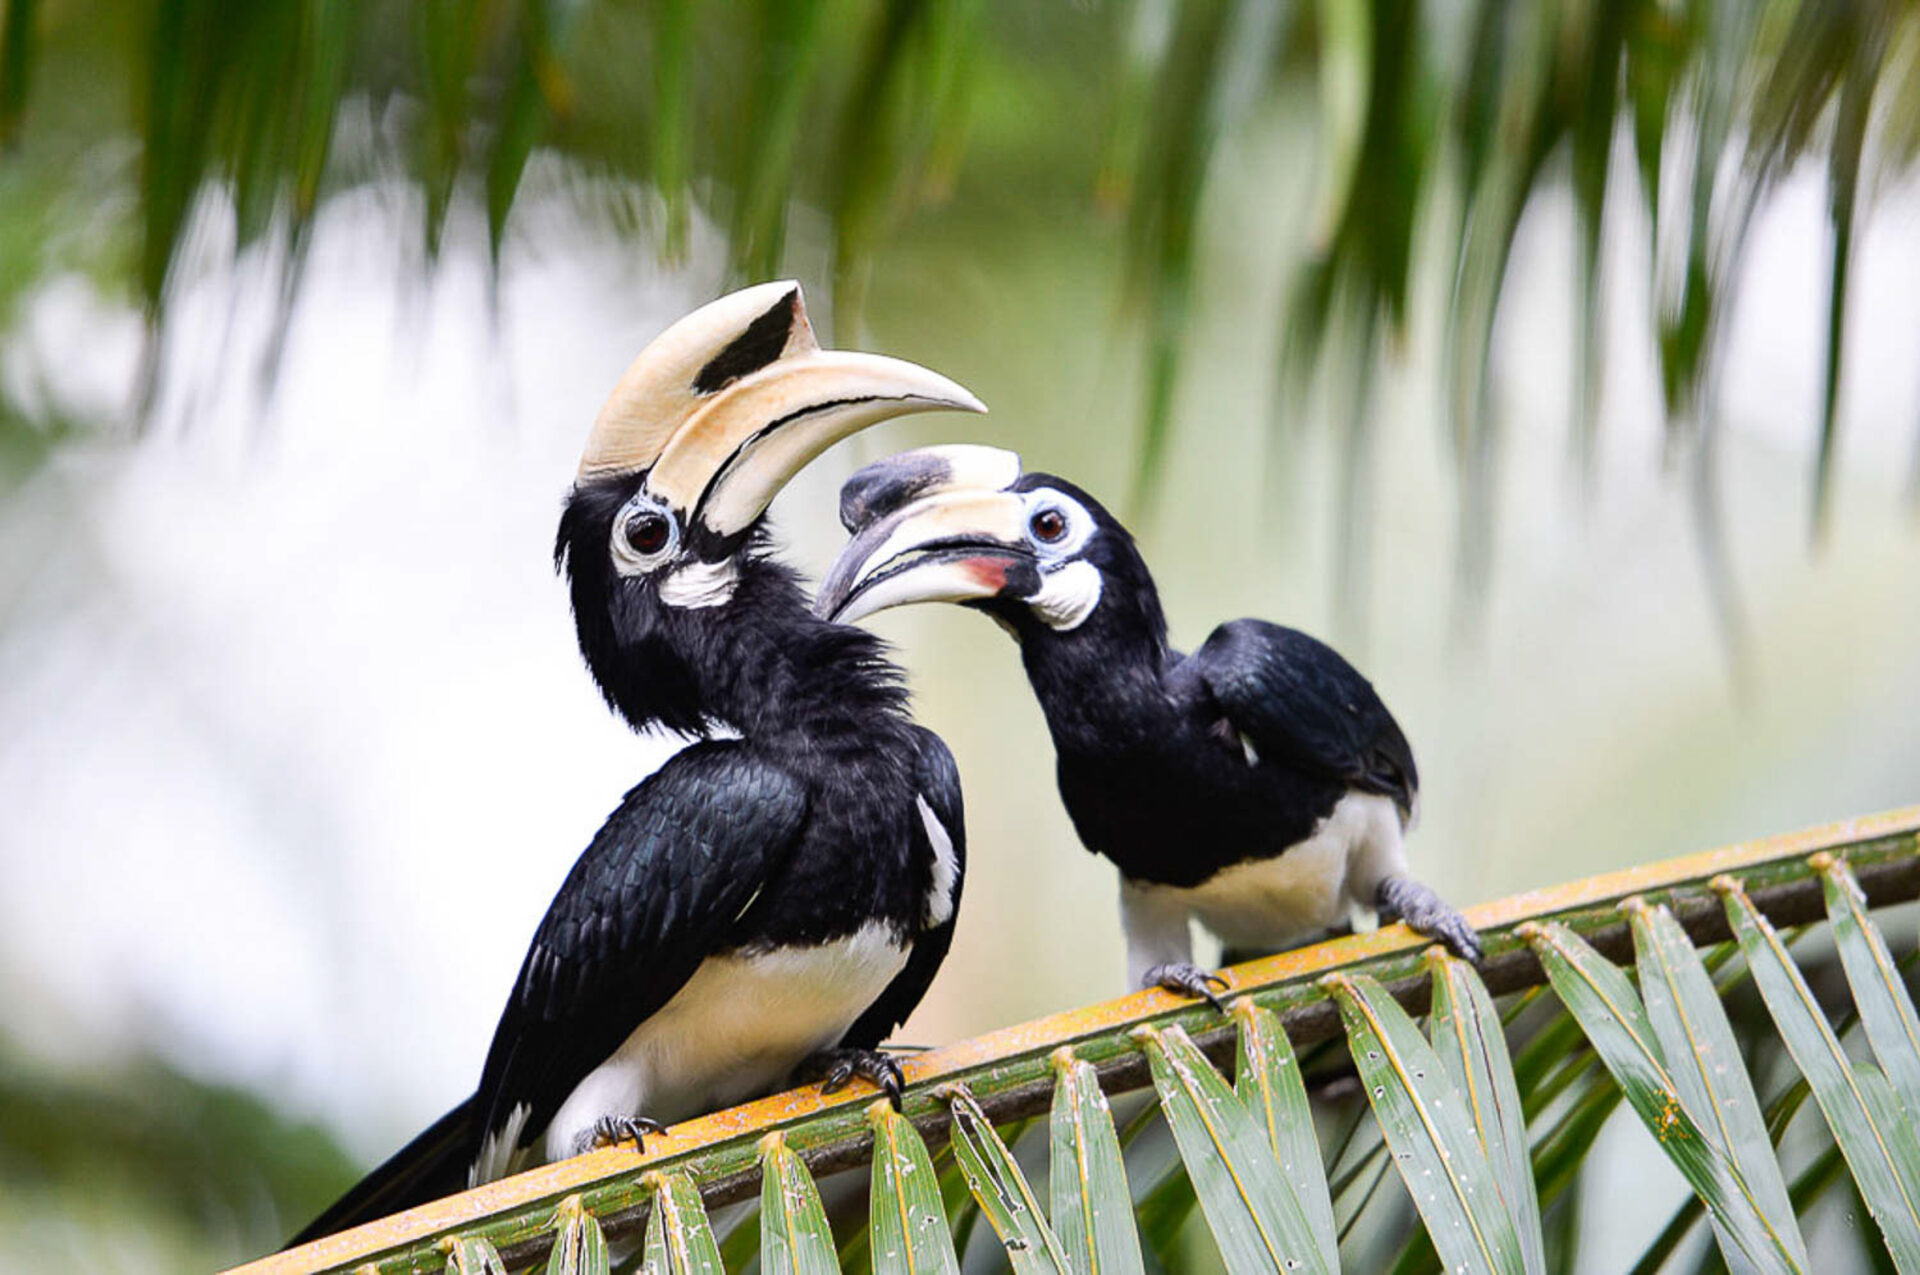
x,y
1560,362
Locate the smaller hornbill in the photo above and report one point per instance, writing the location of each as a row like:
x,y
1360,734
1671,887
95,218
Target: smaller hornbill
x,y
775,899
1258,784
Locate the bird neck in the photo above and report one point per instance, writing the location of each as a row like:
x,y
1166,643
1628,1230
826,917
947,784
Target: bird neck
x,y
765,666
758,664
1103,680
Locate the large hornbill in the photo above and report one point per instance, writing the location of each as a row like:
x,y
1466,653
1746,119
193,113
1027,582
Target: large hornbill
x,y
1258,784
778,895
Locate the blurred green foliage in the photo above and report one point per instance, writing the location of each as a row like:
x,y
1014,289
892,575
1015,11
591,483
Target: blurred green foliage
x,y
144,137
137,1158
1428,115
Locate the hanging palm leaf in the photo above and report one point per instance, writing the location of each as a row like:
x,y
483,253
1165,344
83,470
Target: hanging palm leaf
x,y
1439,129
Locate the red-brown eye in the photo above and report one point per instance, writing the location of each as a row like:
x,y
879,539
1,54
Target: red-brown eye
x,y
1048,525
648,533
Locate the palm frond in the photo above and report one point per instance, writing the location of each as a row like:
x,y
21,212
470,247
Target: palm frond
x,y
1487,1140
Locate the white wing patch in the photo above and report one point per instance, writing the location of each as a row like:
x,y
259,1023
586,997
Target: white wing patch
x,y
1246,746
946,866
500,1149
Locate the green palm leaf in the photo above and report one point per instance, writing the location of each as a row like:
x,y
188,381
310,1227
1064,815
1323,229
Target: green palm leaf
x,y
794,1237
1854,1111
1268,1081
908,1223
1886,1011
679,1237
472,1255
1429,1130
1467,1036
1704,1061
1092,1211
1610,1011
1254,1214
1001,1190
578,1246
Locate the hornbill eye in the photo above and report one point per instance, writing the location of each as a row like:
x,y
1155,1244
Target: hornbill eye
x,y
648,533
1048,525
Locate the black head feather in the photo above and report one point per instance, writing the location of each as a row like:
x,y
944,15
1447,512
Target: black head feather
x,y
760,662
1129,613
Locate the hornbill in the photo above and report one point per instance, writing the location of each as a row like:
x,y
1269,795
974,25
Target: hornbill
x,y
778,895
1258,784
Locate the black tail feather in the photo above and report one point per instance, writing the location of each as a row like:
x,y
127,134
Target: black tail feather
x,y
432,1165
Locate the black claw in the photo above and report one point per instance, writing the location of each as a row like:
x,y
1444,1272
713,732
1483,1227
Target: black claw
x,y
1452,930
1403,899
836,1068
1464,942
1189,980
611,1131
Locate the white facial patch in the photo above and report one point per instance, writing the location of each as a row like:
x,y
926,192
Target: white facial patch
x,y
701,584
1067,595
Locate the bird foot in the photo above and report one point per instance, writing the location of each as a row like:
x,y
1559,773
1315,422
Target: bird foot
x,y
834,1068
611,1131
1404,899
1189,980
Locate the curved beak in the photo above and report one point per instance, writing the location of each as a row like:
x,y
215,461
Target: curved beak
x,y
731,401
950,546
732,457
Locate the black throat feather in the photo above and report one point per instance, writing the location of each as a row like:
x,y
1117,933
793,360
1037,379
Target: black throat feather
x,y
760,663
1104,679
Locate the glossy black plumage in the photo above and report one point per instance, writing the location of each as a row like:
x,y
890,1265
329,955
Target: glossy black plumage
x,y
665,883
1258,784
1298,701
784,886
799,833
1147,739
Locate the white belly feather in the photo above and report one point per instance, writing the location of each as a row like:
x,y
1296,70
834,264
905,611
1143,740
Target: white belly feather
x,y
1271,903
738,1028
1311,886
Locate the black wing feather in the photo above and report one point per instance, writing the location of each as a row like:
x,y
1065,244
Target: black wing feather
x,y
659,890
937,779
1302,704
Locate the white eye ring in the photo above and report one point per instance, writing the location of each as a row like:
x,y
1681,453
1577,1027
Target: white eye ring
x,y
645,534
1047,509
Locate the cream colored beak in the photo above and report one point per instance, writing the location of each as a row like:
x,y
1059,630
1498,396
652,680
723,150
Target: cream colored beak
x,y
727,463
951,546
725,406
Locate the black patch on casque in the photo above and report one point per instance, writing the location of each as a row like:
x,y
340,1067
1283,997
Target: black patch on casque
x,y
753,349
886,485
